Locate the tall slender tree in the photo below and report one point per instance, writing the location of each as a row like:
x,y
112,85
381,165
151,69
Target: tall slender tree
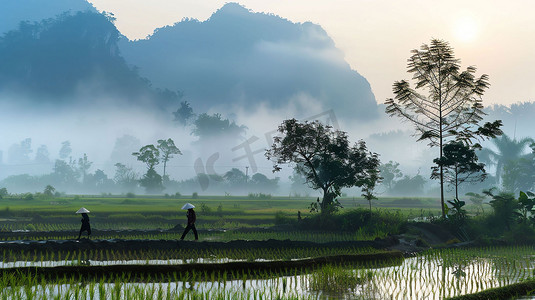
x,y
83,166
452,108
167,150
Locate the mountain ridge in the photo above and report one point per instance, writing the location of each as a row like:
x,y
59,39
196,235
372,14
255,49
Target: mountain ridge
x,y
235,59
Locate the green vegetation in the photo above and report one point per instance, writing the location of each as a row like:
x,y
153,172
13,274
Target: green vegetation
x,y
445,104
325,158
145,213
439,273
433,274
182,254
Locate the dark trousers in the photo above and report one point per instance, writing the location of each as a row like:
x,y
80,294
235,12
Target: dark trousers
x,y
88,229
187,229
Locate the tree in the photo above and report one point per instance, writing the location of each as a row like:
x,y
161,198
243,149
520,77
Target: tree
x,y
83,166
65,150
369,186
507,150
409,186
167,150
151,181
519,174
460,165
526,212
184,113
49,190
324,157
42,155
208,126
100,178
453,108
236,178
125,177
261,183
505,207
64,173
390,172
148,154
19,153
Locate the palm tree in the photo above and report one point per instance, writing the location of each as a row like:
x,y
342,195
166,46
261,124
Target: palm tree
x,y
507,150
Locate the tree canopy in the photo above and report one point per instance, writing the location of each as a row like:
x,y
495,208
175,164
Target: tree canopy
x,y
452,108
508,150
460,164
209,126
324,157
167,151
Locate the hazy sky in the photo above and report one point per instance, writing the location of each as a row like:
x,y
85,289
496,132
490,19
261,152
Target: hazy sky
x,y
498,37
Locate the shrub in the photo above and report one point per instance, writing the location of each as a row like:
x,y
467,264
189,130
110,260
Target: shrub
x,y
504,206
205,208
521,234
281,218
376,222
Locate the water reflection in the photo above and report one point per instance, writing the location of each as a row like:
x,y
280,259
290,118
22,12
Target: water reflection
x,y
434,275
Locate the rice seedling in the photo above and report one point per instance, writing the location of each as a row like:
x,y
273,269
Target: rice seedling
x,y
432,275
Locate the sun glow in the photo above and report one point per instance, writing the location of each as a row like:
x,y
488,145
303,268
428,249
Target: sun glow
x,y
465,29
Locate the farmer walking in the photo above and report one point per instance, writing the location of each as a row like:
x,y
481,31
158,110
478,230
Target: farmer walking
x,y
191,221
85,222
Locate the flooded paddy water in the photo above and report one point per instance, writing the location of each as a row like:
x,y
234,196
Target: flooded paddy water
x,y
436,274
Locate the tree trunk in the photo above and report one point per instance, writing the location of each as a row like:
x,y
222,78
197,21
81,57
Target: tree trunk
x,y
456,184
326,200
441,178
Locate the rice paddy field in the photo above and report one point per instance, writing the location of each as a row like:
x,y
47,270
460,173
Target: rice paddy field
x,y
150,213
436,274
240,254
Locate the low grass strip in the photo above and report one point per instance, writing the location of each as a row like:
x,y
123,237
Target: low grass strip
x,y
511,291
381,259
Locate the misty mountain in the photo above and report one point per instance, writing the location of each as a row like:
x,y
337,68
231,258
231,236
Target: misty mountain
x,y
72,58
236,60
241,59
12,12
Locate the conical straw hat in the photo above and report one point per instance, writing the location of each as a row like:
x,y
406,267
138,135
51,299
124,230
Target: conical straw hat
x,y
188,206
82,210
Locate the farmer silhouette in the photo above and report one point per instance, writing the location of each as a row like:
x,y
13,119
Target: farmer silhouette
x,y
85,222
191,221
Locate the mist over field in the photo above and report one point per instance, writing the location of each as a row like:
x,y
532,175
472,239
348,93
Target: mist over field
x,y
71,76
266,149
